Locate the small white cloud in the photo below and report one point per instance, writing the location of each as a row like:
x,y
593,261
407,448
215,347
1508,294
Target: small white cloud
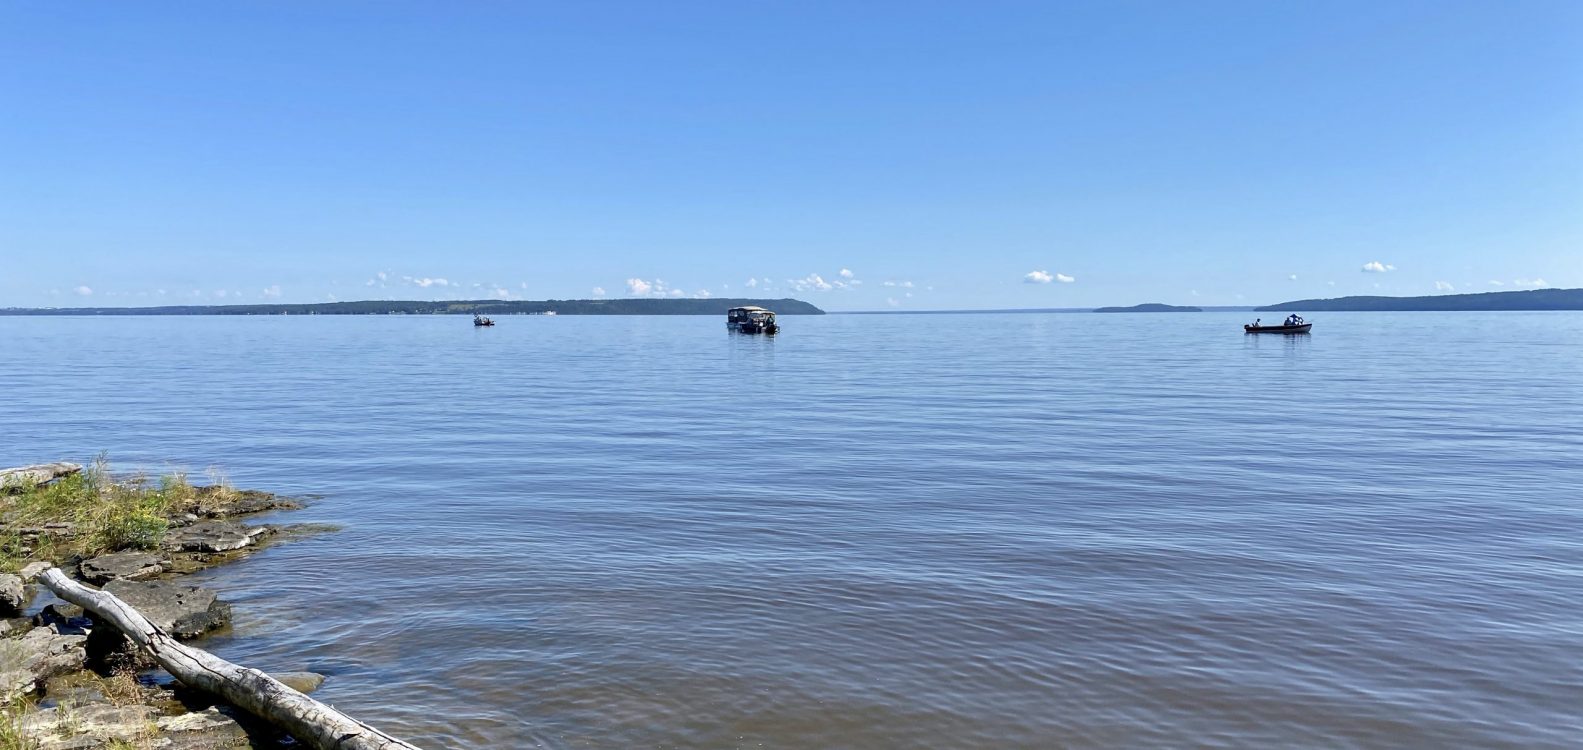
x,y
1064,279
501,293
599,291
893,302
82,291
1493,282
1193,292
1444,286
1535,283
370,282
678,293
160,292
221,293
752,283
428,282
331,297
523,286
908,284
272,291
1330,283
1292,277
1375,266
382,276
702,294
846,273
639,287
811,281
1038,277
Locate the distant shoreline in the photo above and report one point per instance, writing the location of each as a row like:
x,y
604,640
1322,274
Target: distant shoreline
x,y
1024,310
1535,299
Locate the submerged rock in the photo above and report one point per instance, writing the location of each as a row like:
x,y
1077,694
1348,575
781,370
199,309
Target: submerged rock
x,y
302,682
130,565
183,611
213,536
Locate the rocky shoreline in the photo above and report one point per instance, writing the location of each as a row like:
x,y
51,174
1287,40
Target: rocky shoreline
x,y
70,683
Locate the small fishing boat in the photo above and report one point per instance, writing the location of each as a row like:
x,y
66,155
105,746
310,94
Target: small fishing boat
x,y
481,321
1299,328
751,320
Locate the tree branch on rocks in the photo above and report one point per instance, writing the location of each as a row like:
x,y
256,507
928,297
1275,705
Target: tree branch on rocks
x,y
313,723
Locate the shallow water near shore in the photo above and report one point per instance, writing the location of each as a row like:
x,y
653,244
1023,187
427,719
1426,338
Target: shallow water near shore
x,y
947,531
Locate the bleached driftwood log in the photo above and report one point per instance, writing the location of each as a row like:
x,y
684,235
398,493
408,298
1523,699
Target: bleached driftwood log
x,y
23,476
309,721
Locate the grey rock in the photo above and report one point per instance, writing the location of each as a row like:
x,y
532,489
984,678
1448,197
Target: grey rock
x,y
43,653
213,536
183,611
210,728
302,682
219,502
129,565
91,726
13,595
28,476
13,627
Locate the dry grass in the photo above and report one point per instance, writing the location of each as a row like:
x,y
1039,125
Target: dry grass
x,y
11,735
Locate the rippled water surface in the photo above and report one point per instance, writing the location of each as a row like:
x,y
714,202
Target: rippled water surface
x,y
944,531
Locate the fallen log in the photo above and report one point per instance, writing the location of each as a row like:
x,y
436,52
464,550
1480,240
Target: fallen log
x,y
313,723
26,476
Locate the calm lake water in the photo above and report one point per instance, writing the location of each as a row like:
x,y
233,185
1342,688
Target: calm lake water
x,y
941,531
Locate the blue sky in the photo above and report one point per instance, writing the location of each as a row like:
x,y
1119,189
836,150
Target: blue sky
x,y
859,155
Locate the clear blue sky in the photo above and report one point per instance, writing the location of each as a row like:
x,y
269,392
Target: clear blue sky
x,y
1203,152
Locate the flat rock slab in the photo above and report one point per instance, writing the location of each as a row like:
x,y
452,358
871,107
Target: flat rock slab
x,y
213,536
28,476
210,728
43,653
181,610
216,502
130,565
91,726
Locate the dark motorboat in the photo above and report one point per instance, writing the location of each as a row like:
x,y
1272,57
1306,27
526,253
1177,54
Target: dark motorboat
x,y
752,320
481,321
1298,328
